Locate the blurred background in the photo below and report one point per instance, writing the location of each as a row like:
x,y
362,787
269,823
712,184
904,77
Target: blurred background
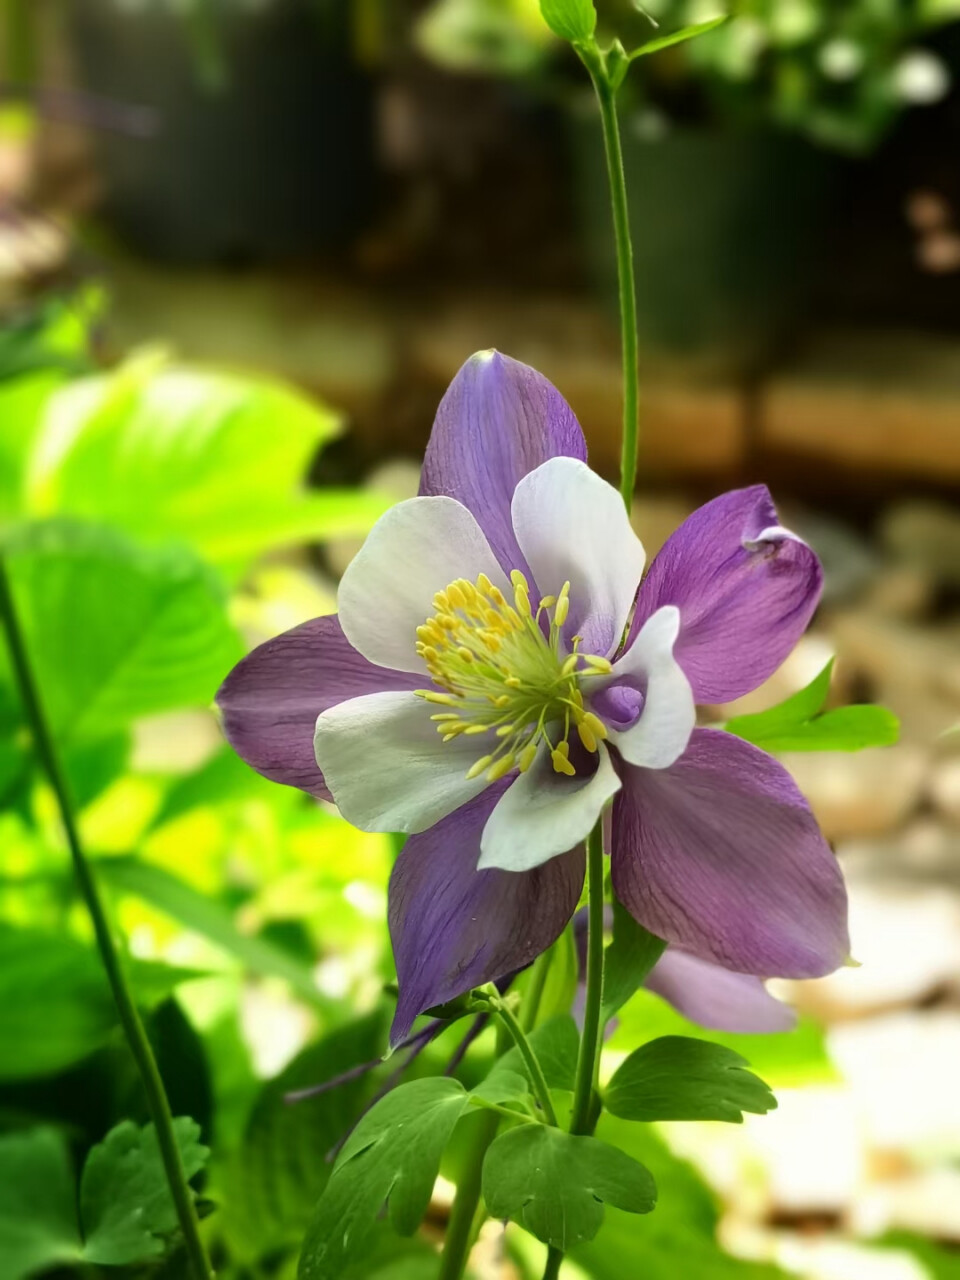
x,y
244,246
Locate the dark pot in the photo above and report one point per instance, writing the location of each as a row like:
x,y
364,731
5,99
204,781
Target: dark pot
x,y
727,231
275,161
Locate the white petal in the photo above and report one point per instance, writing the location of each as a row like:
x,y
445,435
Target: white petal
x,y
668,716
545,813
571,525
387,767
419,547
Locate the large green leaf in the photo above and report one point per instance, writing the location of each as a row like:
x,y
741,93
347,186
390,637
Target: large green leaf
x,y
676,1078
125,1203
556,1044
207,916
116,631
801,724
209,458
393,1155
274,1179
55,1003
628,960
38,1216
555,1184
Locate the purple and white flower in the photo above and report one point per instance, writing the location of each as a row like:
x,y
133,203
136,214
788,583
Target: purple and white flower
x,y
497,674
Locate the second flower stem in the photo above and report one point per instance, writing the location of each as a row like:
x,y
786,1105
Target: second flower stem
x,y
540,1086
157,1102
588,1062
607,99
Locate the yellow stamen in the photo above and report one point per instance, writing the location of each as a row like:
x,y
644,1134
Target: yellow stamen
x,y
527,756
561,764
478,767
500,767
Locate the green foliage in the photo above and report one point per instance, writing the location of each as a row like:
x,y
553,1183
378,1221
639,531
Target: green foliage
x,y
677,37
55,1005
676,1078
125,1204
168,453
556,1044
126,1214
628,960
114,630
393,1155
573,20
801,723
555,1184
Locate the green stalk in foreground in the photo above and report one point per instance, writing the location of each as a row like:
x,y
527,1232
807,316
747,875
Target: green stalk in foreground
x,y
607,98
126,1008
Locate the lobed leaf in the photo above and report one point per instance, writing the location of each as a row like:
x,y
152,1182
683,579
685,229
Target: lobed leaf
x,y
38,1218
555,1184
572,20
680,1078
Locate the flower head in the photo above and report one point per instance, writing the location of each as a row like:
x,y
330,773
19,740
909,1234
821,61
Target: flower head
x,y
497,674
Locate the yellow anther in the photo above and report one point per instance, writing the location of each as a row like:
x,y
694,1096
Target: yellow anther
x,y
497,596
569,666
505,730
445,715
547,602
456,597
429,652
522,601
595,725
431,695
513,682
587,736
527,756
465,653
426,633
601,665
441,602
503,700
484,585
478,767
477,728
561,764
446,621
562,609
518,579
500,767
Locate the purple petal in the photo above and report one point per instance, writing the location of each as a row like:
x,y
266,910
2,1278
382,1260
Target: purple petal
x,y
454,927
746,589
717,998
720,855
270,701
498,421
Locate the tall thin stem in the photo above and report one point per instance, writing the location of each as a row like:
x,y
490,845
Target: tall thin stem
x,y
540,1086
126,1007
462,1225
607,98
588,1063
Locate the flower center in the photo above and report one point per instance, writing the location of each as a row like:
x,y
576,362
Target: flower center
x,y
500,674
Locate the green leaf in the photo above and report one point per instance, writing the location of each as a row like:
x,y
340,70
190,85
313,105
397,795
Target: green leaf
x,y
800,724
125,1203
628,960
38,1217
115,631
573,20
63,978
214,459
555,1184
207,916
280,1168
393,1155
676,1078
563,975
677,37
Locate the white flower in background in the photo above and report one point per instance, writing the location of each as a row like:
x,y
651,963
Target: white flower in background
x,y
921,78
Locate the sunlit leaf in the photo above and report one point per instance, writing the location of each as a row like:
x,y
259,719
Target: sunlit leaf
x,y
126,1207
555,1185
676,1078
55,1003
214,459
116,631
572,20
208,917
801,724
393,1155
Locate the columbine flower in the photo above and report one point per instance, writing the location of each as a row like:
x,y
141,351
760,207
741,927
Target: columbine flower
x,y
494,679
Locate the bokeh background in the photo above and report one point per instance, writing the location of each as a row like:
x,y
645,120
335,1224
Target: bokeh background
x,y
244,246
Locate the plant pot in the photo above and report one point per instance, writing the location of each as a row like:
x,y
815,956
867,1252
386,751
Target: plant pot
x,y
727,231
275,161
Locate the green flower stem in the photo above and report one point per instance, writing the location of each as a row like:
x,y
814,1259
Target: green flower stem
x,y
554,1263
123,998
540,1086
465,1219
588,1063
607,98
